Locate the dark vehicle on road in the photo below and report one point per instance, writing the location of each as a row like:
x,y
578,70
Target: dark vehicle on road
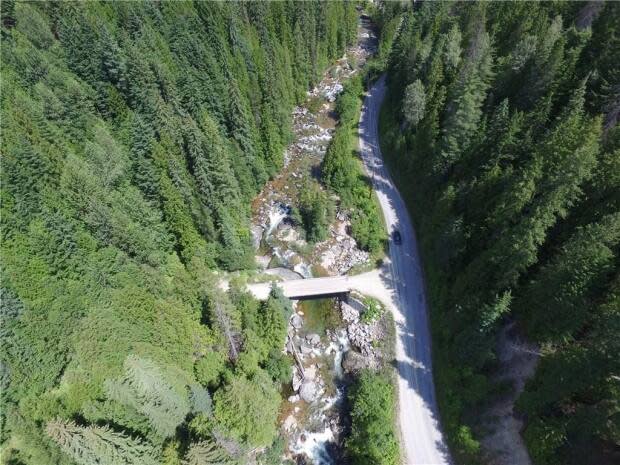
x,y
396,237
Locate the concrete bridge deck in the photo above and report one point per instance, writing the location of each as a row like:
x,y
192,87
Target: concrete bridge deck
x,y
305,288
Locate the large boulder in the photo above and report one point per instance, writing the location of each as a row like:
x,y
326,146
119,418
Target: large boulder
x,y
308,391
257,236
310,373
353,362
289,423
296,321
349,313
361,337
313,339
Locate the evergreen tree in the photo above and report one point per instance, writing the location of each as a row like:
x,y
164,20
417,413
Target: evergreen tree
x,y
134,137
272,322
207,453
144,388
512,181
414,103
316,212
338,169
466,98
546,190
247,408
223,317
575,272
200,400
452,49
99,444
372,437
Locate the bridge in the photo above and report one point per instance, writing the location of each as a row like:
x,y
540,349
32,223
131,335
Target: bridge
x,y
377,283
313,288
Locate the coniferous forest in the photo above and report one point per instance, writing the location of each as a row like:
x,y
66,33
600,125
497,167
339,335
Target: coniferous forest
x,y
134,137
503,120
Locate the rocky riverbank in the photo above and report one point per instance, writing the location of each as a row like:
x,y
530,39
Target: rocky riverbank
x,y
329,340
278,239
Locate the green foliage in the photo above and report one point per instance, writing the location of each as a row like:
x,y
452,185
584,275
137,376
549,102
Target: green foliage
x,y
273,455
247,409
372,439
134,136
144,388
341,172
209,368
348,102
508,173
468,93
207,453
200,400
99,444
574,274
570,379
279,367
374,310
469,446
366,225
272,321
414,103
316,210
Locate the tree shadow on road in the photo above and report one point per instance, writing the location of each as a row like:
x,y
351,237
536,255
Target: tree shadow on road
x,y
403,276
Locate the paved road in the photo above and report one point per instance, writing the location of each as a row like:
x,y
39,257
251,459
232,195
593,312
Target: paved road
x,y
399,284
421,438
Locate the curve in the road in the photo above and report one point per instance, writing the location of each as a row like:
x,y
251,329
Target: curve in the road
x,y
400,285
421,439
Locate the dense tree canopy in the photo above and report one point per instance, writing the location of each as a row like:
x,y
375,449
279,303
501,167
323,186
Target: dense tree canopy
x,y
134,135
502,118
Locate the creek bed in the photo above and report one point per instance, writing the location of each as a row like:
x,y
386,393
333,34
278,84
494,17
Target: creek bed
x,y
316,435
313,415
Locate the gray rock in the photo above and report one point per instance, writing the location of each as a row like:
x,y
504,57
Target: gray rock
x,y
289,423
288,346
313,339
297,380
349,314
257,235
308,391
297,321
263,260
310,373
353,362
305,349
361,337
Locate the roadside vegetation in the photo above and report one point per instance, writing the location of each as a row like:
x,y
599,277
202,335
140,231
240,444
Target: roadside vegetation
x,y
342,172
501,130
374,310
372,398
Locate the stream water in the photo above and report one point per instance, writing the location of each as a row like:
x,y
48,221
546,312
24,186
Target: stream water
x,y
312,418
316,436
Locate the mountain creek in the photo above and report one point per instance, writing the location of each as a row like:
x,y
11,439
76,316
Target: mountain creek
x,y
326,338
